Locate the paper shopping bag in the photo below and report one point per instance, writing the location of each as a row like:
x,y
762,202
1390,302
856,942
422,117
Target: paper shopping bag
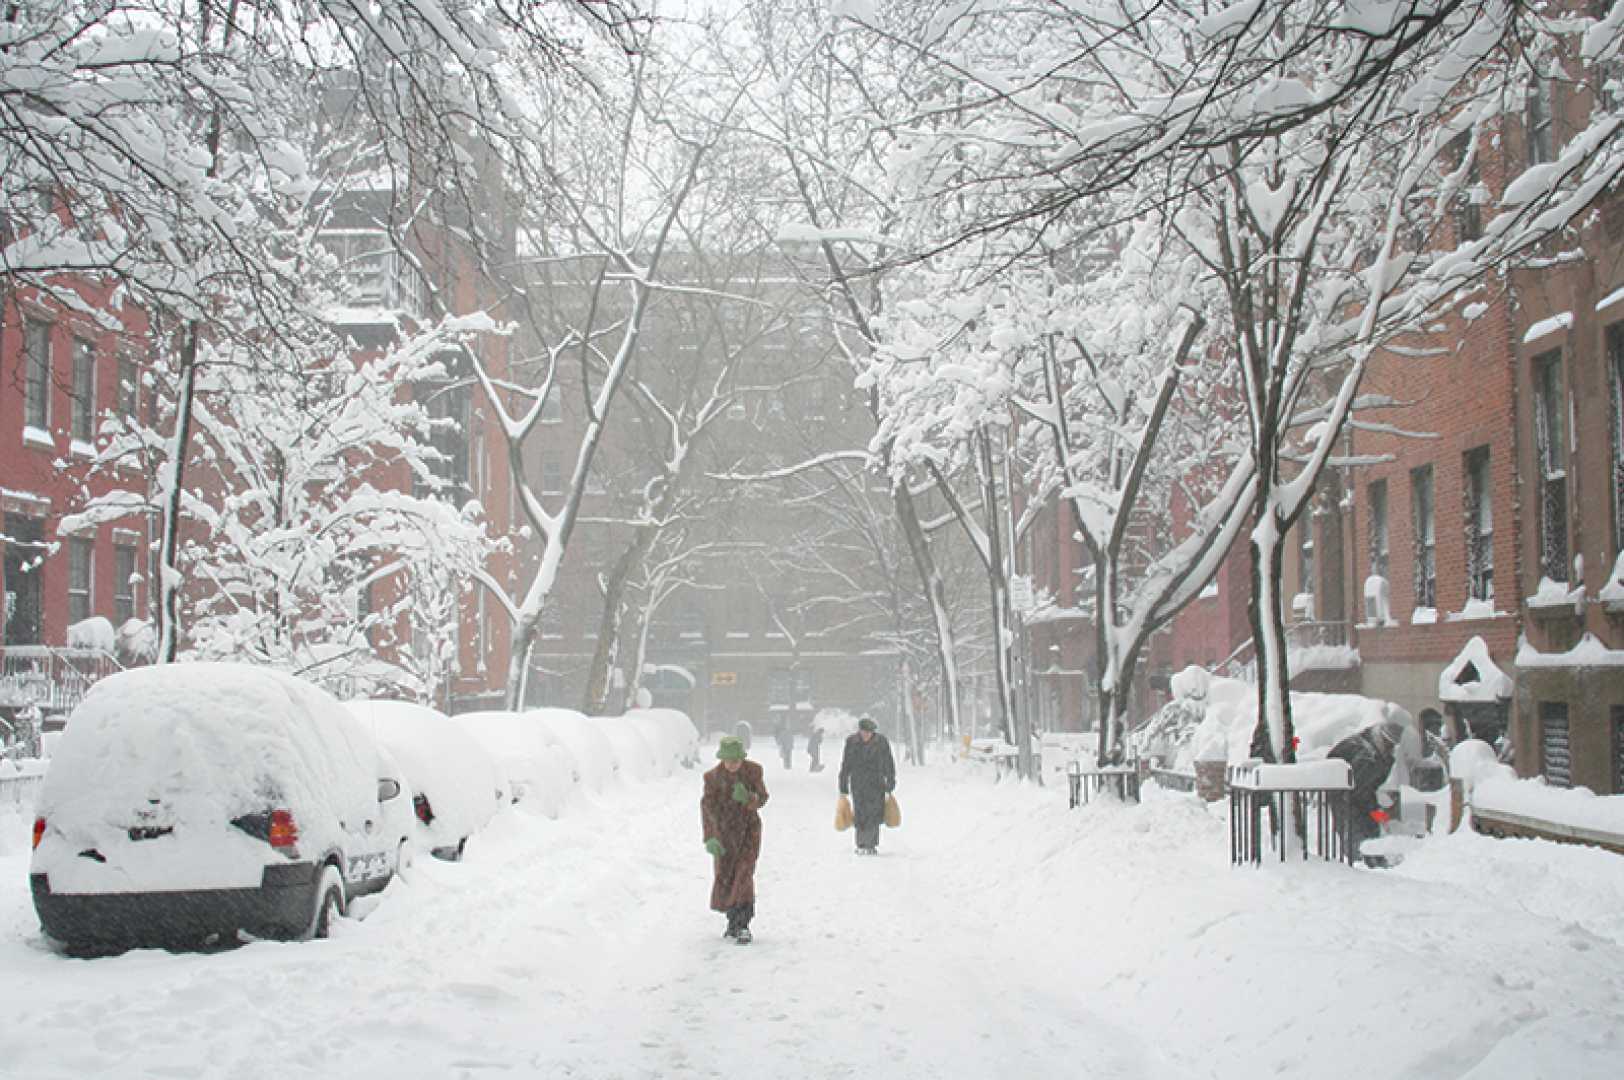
x,y
893,813
843,814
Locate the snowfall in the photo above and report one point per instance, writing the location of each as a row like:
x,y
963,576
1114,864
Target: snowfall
x,y
998,934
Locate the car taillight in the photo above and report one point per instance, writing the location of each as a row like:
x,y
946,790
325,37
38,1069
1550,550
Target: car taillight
x,y
39,830
284,830
420,806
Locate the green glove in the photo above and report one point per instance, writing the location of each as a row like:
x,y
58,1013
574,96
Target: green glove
x,y
714,846
741,794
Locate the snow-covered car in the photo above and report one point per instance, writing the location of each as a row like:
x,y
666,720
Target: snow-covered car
x,y
588,745
187,802
635,759
672,735
539,767
456,787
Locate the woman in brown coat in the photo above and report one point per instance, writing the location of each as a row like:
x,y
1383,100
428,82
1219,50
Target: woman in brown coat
x,y
734,792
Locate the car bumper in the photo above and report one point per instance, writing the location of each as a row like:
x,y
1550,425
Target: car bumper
x,y
281,906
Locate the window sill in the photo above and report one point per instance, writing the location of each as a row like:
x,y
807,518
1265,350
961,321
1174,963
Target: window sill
x,y
38,438
81,449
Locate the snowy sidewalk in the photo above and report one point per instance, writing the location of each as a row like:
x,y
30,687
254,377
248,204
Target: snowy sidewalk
x,y
997,935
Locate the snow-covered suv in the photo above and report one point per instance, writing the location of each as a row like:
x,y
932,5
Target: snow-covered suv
x,y
186,802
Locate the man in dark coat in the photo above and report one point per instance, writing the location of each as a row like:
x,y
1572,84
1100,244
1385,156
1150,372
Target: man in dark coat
x,y
814,744
734,793
868,774
1378,757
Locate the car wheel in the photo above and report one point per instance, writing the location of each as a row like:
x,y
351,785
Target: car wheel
x,y
329,903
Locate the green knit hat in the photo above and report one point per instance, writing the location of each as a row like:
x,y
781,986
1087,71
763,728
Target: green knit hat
x,y
732,749
867,724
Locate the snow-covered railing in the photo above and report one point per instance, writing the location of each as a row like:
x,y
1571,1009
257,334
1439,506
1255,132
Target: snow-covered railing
x,y
52,677
20,782
1307,800
1173,779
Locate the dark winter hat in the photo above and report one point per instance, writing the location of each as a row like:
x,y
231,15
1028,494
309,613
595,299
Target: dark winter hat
x,y
731,749
867,724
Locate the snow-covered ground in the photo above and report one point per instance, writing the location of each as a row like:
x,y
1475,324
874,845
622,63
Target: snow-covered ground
x,y
998,935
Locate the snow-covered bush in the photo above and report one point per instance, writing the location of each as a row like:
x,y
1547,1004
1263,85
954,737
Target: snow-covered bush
x,y
1224,732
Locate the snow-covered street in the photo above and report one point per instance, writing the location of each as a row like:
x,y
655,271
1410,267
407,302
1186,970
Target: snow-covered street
x,y
998,935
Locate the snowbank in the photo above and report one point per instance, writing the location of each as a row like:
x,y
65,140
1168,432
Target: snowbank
x,y
634,758
1499,789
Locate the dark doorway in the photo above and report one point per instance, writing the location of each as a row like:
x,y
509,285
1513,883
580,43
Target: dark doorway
x,y
24,550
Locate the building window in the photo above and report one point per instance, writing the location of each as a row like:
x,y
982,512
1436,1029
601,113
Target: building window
x,y
124,562
81,563
37,374
1426,540
1467,210
84,390
1541,101
1555,762
129,388
552,477
1615,379
1618,749
450,408
1305,559
1479,526
1378,528
1550,444
22,540
372,273
778,688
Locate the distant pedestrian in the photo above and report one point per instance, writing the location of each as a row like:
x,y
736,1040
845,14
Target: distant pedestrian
x,y
734,793
868,774
814,747
786,741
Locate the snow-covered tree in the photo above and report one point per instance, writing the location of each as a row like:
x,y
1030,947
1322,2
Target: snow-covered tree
x,y
1306,156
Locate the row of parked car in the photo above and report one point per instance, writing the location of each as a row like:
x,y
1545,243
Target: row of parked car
x,y
189,803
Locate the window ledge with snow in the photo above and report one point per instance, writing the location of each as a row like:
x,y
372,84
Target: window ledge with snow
x,y
1611,594
1590,652
1385,624
1474,610
1423,616
1555,600
33,436
80,448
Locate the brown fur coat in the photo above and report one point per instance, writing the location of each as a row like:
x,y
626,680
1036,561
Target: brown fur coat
x,y
738,826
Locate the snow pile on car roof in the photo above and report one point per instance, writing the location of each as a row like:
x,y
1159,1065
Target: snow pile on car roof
x,y
672,735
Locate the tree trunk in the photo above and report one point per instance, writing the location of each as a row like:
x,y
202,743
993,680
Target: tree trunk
x,y
936,596
610,621
1273,738
169,579
1003,636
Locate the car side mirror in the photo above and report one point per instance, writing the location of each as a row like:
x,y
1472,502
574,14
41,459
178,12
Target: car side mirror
x,y
388,789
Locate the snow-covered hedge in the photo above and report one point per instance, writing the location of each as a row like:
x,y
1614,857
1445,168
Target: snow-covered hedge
x,y
1212,719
